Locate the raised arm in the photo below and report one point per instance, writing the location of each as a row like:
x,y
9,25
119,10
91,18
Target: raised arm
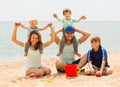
x,y
58,31
14,39
81,18
23,26
84,37
57,39
52,35
45,27
55,16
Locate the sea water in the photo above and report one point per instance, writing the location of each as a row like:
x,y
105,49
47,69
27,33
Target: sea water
x,y
109,32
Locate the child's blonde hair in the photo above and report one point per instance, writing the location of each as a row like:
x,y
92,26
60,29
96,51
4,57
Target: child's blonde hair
x,y
95,39
66,10
34,19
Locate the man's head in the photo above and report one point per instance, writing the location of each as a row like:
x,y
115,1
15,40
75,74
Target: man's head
x,y
69,32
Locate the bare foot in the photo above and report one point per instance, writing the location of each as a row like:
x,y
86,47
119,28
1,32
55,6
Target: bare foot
x,y
41,52
35,75
25,54
58,54
78,54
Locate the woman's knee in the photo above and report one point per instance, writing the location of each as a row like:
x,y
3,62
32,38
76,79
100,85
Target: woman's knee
x,y
60,65
83,61
46,70
34,70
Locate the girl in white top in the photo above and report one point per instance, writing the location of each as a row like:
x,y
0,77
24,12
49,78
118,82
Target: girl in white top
x,y
34,67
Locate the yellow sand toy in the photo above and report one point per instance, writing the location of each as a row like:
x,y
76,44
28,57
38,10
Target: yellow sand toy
x,y
78,70
47,80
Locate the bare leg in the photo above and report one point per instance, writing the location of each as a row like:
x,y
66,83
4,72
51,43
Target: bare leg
x,y
41,49
62,43
83,61
87,71
107,71
26,48
34,72
75,45
60,65
46,70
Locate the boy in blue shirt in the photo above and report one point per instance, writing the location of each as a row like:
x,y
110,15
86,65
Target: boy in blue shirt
x,y
97,59
68,21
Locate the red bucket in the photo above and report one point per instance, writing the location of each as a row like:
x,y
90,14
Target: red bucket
x,y
71,70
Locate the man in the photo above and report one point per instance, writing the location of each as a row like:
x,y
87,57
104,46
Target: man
x,y
68,55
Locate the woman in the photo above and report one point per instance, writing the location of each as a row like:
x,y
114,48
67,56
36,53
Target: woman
x,y
34,67
68,55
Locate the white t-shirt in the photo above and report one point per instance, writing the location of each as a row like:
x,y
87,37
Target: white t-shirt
x,y
68,55
33,59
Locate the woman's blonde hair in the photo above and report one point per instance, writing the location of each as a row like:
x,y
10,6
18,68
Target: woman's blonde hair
x,y
39,39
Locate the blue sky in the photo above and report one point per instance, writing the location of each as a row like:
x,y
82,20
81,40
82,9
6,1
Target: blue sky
x,y
23,10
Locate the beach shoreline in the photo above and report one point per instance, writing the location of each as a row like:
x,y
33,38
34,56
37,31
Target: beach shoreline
x,y
12,74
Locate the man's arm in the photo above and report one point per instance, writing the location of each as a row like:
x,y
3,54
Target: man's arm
x,y
23,26
57,39
45,27
60,30
84,36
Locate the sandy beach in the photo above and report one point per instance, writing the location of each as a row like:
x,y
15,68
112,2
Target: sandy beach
x,y
12,74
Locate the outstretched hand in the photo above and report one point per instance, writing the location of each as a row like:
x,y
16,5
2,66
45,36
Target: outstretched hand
x,y
17,24
83,17
50,24
55,16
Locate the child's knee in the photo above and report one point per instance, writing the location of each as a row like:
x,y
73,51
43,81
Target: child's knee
x,y
87,72
109,72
